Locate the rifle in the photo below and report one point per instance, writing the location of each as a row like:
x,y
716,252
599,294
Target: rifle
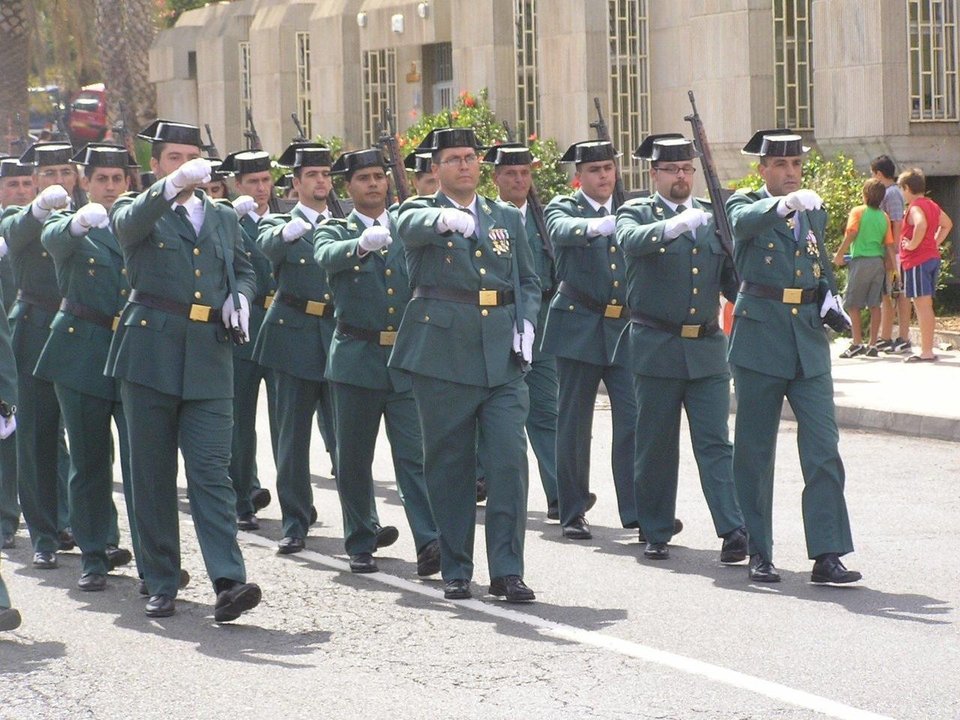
x,y
301,135
714,190
388,142
22,141
600,125
333,202
253,138
212,151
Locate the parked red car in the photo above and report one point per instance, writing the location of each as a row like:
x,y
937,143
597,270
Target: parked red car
x,y
87,115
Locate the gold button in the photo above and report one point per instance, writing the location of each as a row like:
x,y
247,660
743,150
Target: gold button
x,y
388,272
693,311
356,268
616,283
613,248
578,231
449,243
570,308
123,292
280,321
196,272
197,294
483,271
350,254
303,261
426,318
123,271
663,250
391,311
694,251
143,323
70,329
696,291
794,311
91,261
43,254
799,273
798,253
390,328
613,266
389,291
478,253
326,296
696,271
484,312
196,251
770,245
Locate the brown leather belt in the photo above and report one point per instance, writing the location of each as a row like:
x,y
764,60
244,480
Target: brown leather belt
x,y
197,313
85,312
310,307
484,298
691,332
790,296
51,305
610,311
378,337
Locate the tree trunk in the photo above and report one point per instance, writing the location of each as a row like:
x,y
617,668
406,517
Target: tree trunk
x,y
14,59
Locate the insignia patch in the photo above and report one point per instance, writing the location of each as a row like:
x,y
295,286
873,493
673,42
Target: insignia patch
x,y
768,260
813,249
816,270
500,240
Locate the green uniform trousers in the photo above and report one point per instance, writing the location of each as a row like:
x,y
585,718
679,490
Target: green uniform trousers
x,y
38,435
450,414
247,376
759,403
542,423
297,401
158,424
579,383
707,404
93,515
9,501
358,412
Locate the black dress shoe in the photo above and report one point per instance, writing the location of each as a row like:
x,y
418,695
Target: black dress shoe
x,y
828,570
386,536
553,513
313,515
481,489
183,582
233,602
159,606
92,582
290,545
260,498
45,560
65,540
363,563
117,556
512,589
9,542
762,570
248,521
9,619
734,548
577,530
428,559
677,528
656,551
457,589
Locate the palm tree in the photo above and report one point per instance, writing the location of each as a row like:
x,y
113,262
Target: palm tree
x,y
14,59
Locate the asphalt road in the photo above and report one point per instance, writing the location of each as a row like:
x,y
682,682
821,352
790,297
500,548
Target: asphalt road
x,y
611,636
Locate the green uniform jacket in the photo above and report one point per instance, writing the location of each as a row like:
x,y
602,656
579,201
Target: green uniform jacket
x,y
546,272
366,289
595,267
770,336
677,281
160,350
90,272
290,340
34,274
455,341
8,365
266,285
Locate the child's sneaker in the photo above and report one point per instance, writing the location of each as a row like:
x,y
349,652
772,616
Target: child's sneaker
x,y
871,351
901,345
853,351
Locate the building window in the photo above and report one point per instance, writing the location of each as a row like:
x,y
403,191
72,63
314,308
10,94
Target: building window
x,y
525,43
629,117
304,106
443,76
933,60
792,47
246,103
379,90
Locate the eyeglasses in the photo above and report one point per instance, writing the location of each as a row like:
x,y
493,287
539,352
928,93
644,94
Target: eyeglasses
x,y
675,170
461,160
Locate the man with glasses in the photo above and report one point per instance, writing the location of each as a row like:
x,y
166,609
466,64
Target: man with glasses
x,y
676,270
465,339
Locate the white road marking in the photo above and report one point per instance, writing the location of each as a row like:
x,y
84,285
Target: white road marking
x,y
691,666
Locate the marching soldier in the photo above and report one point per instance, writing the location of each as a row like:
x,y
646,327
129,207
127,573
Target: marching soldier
x,y
368,274
251,171
93,282
192,287
464,339
676,270
424,181
513,176
9,616
779,349
585,319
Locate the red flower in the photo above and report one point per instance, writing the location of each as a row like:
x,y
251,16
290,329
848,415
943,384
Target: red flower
x,y
469,101
575,183
533,137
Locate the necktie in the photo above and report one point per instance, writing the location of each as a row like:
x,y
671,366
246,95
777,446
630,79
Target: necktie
x,y
680,208
602,211
181,212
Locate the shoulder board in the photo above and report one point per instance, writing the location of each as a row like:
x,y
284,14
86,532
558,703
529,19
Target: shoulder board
x,y
704,201
129,194
334,221
645,200
220,201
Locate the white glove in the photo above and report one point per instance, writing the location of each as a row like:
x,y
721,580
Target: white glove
x,y
799,200
7,426
374,238
50,198
832,302
3,247
89,216
687,221
602,226
192,172
453,220
523,343
237,318
295,229
244,205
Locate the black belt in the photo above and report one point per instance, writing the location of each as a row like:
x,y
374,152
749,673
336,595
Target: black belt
x,y
197,313
547,295
692,332
310,307
85,312
378,337
790,296
611,311
51,305
485,298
